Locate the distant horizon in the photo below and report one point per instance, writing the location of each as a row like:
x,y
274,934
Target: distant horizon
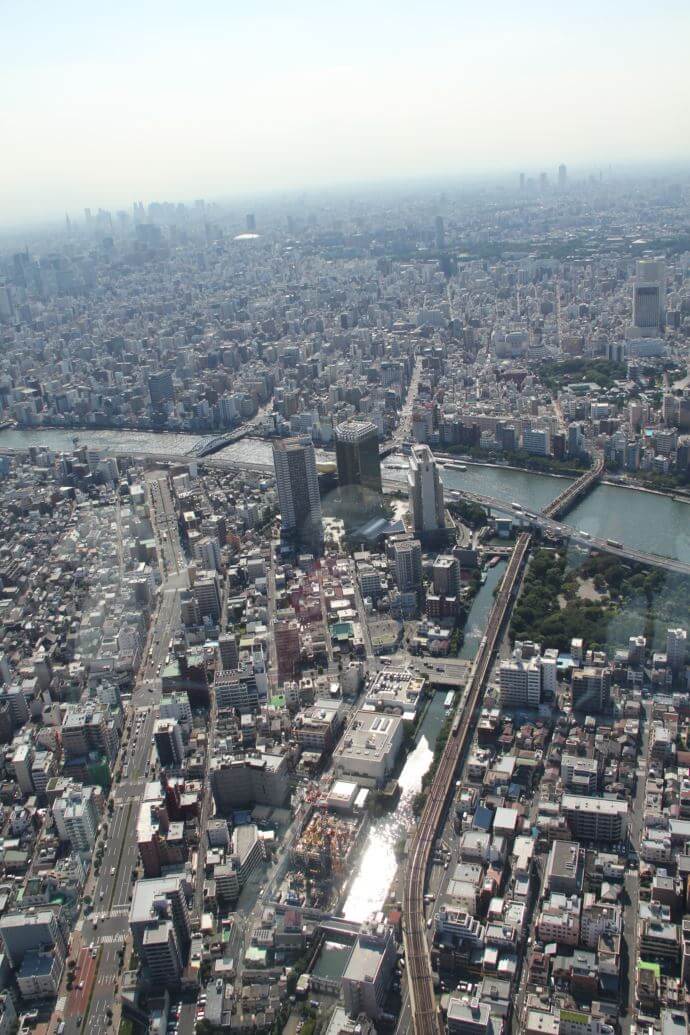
x,y
106,105
505,179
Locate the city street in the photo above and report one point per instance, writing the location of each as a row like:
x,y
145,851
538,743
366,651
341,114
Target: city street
x,y
107,927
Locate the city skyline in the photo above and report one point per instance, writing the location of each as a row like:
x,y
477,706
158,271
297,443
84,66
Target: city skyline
x,y
107,108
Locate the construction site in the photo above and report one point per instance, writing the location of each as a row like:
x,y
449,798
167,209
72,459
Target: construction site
x,y
321,859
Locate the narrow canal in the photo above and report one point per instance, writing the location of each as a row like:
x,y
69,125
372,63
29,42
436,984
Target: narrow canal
x,y
377,863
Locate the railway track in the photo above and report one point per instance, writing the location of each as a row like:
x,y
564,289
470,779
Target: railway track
x,y
425,1016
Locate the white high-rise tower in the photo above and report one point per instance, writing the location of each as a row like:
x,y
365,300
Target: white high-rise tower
x,y
425,491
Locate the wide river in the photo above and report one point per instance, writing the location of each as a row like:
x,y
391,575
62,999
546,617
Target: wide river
x,y
645,521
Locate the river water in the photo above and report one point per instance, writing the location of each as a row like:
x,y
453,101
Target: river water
x,y
378,864
62,440
475,626
646,521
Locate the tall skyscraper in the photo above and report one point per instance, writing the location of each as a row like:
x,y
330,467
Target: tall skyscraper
x,y
425,491
298,490
357,455
649,292
440,234
562,176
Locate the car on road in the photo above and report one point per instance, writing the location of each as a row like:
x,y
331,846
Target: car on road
x,y
94,953
112,871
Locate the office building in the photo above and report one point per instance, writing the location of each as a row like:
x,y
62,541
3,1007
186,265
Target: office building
x,y
446,575
317,726
167,734
357,455
207,552
637,646
565,868
85,731
369,747
160,950
31,930
8,1014
297,483
40,974
22,762
396,690
425,490
368,972
580,775
559,919
206,591
161,387
649,294
227,649
408,565
676,648
77,817
537,441
161,841
288,649
147,900
247,851
549,672
161,926
520,682
595,819
176,706
241,781
592,690
471,1017
232,692
439,233
562,176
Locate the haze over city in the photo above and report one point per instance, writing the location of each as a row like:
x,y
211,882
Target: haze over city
x,y
344,519
106,104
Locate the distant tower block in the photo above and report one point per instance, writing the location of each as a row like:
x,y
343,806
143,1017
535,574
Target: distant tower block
x,y
649,293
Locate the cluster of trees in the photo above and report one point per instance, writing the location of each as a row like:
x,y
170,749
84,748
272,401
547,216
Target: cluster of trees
x,y
471,514
634,600
571,371
539,614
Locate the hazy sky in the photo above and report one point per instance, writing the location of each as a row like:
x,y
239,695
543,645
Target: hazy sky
x,y
105,103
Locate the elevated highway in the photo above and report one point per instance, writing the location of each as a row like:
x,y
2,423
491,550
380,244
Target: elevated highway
x,y
574,535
